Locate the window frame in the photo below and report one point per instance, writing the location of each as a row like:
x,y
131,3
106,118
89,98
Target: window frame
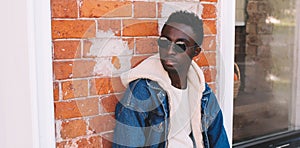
x,y
294,111
226,26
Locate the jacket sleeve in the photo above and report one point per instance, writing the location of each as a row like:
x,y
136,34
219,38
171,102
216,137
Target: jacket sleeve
x,y
129,131
137,123
216,133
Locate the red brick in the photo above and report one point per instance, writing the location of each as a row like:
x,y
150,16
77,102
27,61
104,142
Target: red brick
x,y
66,49
136,60
73,29
209,43
100,124
64,8
206,59
76,69
208,0
88,107
83,68
159,9
209,27
144,9
74,89
209,11
146,46
107,140
201,60
130,42
100,86
61,144
98,8
56,91
62,70
134,27
113,25
108,103
76,108
91,142
210,74
66,110
72,129
211,58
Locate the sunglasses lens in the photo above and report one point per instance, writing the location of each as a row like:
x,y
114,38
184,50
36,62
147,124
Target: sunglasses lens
x,y
163,43
179,48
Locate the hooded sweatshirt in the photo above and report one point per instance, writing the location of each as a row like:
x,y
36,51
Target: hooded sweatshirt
x,y
151,68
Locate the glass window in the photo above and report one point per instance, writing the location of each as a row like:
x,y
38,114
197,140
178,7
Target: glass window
x,y
265,71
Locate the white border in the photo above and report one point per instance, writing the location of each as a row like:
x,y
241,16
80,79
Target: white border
x,y
40,54
225,58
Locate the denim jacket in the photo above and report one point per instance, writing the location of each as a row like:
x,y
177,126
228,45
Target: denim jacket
x,y
142,118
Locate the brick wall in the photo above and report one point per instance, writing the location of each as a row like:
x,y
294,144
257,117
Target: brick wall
x,y
93,43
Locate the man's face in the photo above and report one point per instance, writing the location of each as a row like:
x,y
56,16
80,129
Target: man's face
x,y
175,37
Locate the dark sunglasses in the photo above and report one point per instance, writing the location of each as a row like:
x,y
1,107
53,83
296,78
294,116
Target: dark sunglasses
x,y
178,47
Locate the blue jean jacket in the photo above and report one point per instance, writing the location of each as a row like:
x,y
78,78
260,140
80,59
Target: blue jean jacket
x,y
142,118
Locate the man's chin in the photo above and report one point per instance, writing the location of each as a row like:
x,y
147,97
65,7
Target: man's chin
x,y
170,68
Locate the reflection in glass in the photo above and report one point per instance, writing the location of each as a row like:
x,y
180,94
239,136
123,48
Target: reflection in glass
x,y
264,54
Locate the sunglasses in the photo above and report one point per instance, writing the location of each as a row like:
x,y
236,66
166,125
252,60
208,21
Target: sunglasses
x,y
178,47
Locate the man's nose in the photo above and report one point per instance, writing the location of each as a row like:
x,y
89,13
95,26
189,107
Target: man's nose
x,y
171,48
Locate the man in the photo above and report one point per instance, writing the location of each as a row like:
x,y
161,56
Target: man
x,y
167,102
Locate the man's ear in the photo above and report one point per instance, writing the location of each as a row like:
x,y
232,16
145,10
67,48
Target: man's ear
x,y
197,50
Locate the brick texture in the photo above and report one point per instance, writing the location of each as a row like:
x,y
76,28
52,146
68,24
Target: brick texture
x,y
73,29
84,96
209,11
76,69
146,45
72,129
140,28
96,8
113,25
208,0
100,86
106,140
210,74
108,103
66,110
102,123
206,59
209,43
64,9
209,27
56,91
144,9
75,88
67,49
91,142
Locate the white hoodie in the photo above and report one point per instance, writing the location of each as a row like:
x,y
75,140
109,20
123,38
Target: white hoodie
x,y
151,68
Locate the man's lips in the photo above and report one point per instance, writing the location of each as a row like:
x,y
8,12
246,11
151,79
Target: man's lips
x,y
170,61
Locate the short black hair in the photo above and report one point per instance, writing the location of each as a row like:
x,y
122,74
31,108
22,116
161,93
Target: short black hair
x,y
190,19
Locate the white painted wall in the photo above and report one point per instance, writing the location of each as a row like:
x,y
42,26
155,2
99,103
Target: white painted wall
x,y
226,26
26,75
